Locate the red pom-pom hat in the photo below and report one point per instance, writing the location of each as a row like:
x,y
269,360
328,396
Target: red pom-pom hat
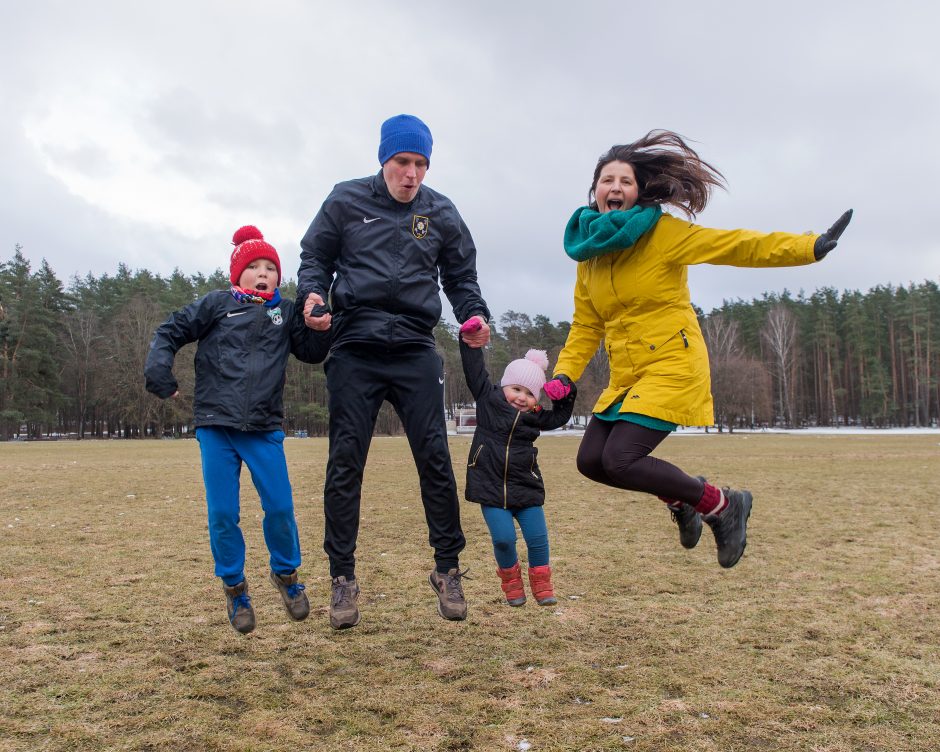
x,y
250,245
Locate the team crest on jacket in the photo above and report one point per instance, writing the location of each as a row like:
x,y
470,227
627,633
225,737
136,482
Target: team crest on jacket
x,y
419,227
275,314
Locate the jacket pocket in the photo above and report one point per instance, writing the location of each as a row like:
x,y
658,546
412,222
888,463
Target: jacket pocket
x,y
341,294
534,467
474,456
659,346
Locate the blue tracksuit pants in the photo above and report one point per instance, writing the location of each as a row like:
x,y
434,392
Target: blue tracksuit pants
x,y
503,532
223,452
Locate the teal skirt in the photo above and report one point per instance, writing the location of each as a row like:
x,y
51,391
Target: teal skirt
x,y
613,413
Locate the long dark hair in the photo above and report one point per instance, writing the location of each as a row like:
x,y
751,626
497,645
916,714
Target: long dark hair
x,y
668,171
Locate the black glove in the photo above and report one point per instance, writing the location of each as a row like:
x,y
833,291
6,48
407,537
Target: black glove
x,y
574,391
319,310
827,241
560,387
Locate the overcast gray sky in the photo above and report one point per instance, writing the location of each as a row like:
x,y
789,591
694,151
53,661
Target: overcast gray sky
x,y
146,133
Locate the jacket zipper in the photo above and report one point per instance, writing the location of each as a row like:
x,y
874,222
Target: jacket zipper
x,y
399,214
682,334
506,466
253,354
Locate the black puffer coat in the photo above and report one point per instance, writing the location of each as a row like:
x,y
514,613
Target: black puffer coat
x,y
503,469
241,359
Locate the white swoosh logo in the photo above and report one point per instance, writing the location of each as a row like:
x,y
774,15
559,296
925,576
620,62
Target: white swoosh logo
x,y
441,380
367,221
235,313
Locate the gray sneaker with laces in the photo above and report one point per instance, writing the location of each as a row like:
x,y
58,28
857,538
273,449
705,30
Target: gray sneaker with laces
x,y
730,527
292,593
689,522
450,601
344,609
238,607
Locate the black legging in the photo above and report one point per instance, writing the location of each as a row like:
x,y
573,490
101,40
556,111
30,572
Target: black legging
x,y
616,453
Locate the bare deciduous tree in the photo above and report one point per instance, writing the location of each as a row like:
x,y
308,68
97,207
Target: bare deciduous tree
x,y
780,335
740,384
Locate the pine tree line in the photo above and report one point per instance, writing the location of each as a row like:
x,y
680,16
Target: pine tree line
x,y
71,358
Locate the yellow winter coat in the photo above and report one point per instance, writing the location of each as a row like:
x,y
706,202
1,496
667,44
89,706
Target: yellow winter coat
x,y
637,300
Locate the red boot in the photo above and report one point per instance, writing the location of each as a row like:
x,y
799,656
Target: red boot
x,y
512,584
540,580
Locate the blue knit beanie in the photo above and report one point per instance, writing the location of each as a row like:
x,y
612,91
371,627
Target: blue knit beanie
x,y
404,133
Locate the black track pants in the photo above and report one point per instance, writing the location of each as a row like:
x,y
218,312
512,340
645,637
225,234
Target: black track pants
x,y
359,380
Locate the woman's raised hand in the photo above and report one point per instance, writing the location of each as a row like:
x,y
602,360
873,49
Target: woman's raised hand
x,y
828,240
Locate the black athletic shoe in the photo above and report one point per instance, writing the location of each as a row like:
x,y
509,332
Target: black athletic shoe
x,y
689,522
730,527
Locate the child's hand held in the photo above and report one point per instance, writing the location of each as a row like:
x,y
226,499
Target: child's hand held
x,y
471,326
558,388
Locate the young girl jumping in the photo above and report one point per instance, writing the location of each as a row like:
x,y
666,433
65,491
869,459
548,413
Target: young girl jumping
x,y
632,291
503,474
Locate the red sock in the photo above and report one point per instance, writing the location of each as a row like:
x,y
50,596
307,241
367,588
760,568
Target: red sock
x,y
713,501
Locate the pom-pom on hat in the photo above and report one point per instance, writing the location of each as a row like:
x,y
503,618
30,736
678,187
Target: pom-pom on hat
x,y
528,372
250,245
404,133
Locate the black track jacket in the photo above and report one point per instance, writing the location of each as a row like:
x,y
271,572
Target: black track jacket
x,y
377,262
241,359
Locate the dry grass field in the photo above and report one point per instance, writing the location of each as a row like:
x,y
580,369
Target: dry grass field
x,y
826,636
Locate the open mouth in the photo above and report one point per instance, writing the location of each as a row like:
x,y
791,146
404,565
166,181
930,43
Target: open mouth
x,y
614,204
261,286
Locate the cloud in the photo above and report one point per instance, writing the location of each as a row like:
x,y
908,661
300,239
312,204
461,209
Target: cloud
x,y
145,135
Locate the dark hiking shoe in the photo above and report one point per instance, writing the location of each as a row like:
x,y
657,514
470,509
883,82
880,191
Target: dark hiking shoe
x,y
730,527
238,607
344,611
292,593
450,601
689,522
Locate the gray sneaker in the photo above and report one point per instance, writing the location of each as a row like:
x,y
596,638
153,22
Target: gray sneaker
x,y
238,607
344,611
730,527
450,601
292,593
689,522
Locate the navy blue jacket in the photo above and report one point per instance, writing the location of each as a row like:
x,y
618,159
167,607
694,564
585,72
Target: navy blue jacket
x,y
503,469
377,262
241,360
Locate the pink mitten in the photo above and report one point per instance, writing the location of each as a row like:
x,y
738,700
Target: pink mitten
x,y
558,388
471,326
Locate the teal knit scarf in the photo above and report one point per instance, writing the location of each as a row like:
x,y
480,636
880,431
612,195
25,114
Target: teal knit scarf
x,y
590,233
